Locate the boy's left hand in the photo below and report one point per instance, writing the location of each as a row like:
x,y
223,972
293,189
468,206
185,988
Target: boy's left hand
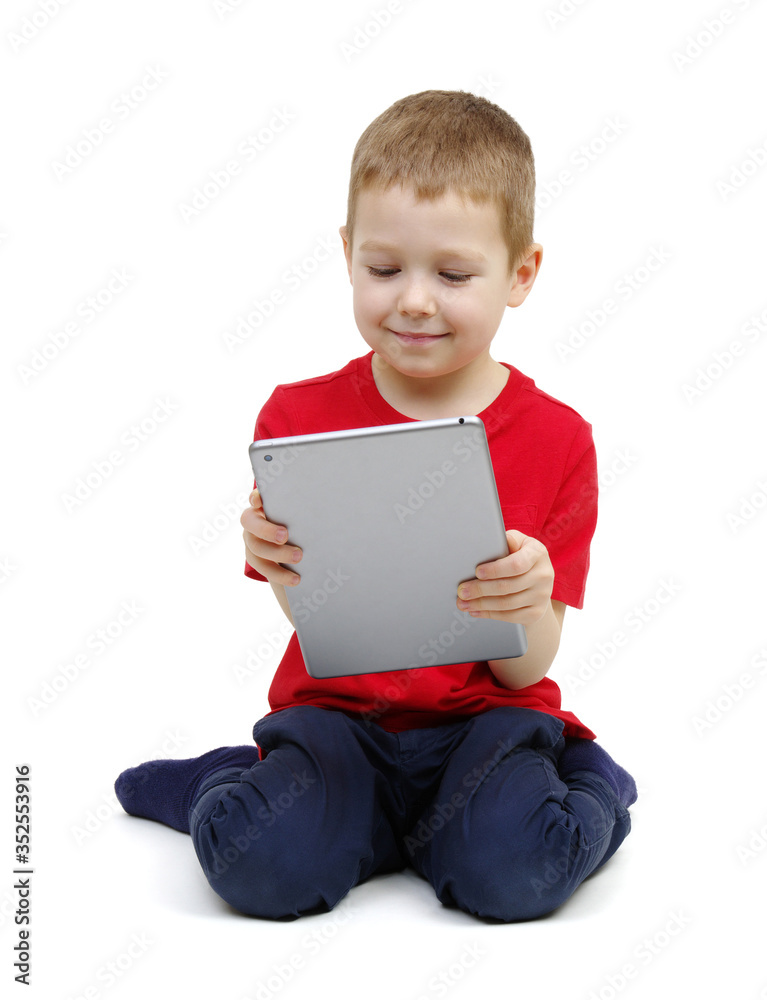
x,y
515,588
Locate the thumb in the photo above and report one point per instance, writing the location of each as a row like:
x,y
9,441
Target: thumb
x,y
515,539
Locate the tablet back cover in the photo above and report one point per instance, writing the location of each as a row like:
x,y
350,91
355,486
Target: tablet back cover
x,y
390,519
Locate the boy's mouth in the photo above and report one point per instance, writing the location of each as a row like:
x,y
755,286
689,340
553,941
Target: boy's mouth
x,y
417,338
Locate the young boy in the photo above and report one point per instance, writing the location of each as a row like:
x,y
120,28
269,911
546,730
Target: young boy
x,y
471,773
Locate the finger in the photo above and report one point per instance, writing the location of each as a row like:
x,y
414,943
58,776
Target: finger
x,y
508,566
524,607
256,522
520,561
268,561
527,615
273,572
477,589
498,602
265,549
516,539
255,499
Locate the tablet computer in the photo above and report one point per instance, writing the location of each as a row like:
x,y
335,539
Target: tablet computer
x,y
391,519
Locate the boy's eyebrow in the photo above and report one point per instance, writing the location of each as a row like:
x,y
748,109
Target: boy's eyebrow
x,y
459,252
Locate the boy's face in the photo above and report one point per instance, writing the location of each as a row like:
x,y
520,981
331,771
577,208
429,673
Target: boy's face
x,y
431,280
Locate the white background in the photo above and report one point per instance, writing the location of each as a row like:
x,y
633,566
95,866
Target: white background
x,y
684,476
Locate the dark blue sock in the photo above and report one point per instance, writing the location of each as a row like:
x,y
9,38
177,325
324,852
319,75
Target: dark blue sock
x,y
164,789
586,755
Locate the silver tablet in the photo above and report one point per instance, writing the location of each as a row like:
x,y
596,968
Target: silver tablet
x,y
390,520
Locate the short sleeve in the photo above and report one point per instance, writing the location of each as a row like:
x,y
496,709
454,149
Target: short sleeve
x,y
572,519
274,420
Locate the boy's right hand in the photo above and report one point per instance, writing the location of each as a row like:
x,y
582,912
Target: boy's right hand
x,y
266,545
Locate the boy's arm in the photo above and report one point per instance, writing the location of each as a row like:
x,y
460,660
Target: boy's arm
x,y
517,588
542,645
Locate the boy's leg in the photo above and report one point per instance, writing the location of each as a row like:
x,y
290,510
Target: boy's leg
x,y
163,790
293,834
506,836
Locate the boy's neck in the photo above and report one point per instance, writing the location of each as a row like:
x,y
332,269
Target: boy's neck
x,y
467,391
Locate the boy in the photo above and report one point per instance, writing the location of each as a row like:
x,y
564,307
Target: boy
x,y
470,773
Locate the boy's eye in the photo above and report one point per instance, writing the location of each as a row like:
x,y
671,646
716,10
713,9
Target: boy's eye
x,y
387,272
382,272
452,276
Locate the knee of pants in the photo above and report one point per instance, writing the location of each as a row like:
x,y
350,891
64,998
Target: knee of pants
x,y
504,877
520,887
255,871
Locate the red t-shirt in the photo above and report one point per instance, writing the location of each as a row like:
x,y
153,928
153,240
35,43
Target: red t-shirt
x,y
545,470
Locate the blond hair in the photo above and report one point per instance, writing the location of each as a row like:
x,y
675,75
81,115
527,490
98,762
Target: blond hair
x,y
440,141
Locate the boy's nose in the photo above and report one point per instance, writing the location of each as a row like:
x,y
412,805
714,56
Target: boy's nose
x,y
416,299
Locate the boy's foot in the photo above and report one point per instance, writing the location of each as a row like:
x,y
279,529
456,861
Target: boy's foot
x,y
163,790
586,755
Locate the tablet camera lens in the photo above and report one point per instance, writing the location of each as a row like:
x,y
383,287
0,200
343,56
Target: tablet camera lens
x,y
267,458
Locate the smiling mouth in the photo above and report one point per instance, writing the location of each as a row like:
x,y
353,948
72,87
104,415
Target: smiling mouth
x,y
418,336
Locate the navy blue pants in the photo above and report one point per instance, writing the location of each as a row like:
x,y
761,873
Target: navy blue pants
x,y
477,807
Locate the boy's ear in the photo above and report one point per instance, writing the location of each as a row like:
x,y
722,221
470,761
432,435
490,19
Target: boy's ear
x,y
343,232
525,274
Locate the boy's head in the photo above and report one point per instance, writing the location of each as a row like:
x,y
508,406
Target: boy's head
x,y
441,141
438,238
